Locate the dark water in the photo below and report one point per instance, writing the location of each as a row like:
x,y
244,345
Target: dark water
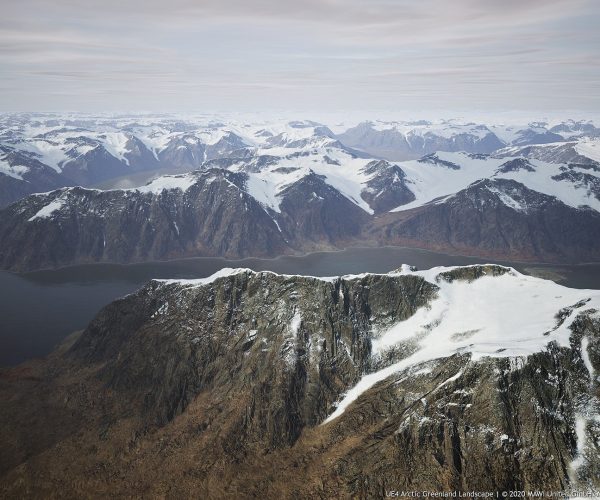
x,y
38,310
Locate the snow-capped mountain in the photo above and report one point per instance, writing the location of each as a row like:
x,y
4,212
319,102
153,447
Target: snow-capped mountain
x,y
411,140
478,378
401,141
296,187
21,174
585,151
87,150
318,199
440,175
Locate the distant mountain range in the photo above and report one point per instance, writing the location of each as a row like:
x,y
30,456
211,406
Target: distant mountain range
x,y
410,140
282,188
42,152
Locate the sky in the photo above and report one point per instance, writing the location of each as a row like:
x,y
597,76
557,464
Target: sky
x,y
420,56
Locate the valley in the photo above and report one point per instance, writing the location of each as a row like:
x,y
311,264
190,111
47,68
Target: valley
x,y
265,189
201,302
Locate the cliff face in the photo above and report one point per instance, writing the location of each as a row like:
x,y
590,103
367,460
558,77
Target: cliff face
x,y
258,384
314,215
213,217
498,217
33,176
217,214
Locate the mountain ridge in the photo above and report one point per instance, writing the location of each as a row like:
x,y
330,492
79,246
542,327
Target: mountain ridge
x,y
293,188
249,368
91,149
208,212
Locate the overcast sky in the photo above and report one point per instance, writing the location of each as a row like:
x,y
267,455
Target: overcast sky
x,y
328,55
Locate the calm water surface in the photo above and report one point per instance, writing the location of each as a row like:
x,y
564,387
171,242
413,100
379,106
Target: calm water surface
x,y
38,310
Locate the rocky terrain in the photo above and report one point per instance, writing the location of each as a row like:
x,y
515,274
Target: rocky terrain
x,y
497,217
247,384
248,209
275,188
44,151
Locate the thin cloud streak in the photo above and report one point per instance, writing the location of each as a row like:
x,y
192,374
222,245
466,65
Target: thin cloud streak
x,y
316,54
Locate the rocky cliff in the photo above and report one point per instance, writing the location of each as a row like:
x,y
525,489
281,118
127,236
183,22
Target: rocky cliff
x,y
501,218
27,175
214,216
217,212
247,384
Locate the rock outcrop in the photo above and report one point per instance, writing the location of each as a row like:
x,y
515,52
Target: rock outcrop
x,y
500,218
213,217
387,187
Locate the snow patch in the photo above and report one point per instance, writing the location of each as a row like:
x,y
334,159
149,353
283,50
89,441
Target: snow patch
x,y
264,191
511,315
167,182
295,323
507,199
14,171
451,379
589,148
581,438
222,273
586,357
116,144
49,210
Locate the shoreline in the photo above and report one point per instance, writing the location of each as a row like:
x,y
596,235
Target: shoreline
x,y
86,288
492,260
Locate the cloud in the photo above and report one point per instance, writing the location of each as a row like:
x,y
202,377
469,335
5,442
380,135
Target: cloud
x,y
316,53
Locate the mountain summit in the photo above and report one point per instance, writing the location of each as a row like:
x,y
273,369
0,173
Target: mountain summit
x,y
454,379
